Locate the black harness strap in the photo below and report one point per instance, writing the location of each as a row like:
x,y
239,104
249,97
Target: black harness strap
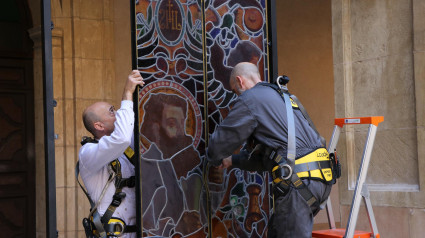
x,y
120,183
101,223
118,196
131,156
293,180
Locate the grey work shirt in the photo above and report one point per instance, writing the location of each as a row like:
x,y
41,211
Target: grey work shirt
x,y
259,113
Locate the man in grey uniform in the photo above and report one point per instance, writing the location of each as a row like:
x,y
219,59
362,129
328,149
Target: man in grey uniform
x,y
259,117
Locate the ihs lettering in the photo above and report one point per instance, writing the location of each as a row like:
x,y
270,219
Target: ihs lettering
x,y
169,18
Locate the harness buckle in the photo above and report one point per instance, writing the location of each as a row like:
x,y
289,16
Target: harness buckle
x,y
281,172
115,227
117,198
289,173
281,188
118,229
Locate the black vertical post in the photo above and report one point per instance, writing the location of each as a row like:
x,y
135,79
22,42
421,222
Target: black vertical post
x,y
272,40
138,169
206,126
49,104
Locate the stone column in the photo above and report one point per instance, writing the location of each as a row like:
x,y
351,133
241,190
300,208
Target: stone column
x,y
40,193
417,216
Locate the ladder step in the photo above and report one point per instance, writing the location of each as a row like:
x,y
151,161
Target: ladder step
x,y
339,233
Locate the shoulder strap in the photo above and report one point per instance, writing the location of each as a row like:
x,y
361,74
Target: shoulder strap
x,y
284,93
292,149
118,196
294,179
301,107
131,155
84,140
77,172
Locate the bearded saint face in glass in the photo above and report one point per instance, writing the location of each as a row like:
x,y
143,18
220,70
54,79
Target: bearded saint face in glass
x,y
164,123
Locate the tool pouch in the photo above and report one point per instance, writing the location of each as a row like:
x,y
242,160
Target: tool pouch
x,y
336,166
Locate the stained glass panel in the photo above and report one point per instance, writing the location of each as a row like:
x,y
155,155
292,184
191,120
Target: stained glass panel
x,y
235,32
180,106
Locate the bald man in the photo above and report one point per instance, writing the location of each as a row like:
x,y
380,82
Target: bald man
x,y
259,118
112,134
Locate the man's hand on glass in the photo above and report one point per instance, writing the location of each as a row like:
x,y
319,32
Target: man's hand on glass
x,y
226,163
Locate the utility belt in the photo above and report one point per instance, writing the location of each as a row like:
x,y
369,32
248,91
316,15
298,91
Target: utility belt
x,y
317,165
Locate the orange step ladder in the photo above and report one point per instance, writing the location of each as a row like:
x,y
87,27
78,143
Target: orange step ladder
x,y
360,191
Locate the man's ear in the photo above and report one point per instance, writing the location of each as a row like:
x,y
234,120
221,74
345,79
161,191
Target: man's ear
x,y
239,81
98,126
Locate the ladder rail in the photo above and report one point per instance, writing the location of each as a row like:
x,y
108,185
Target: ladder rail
x,y
361,178
370,214
330,214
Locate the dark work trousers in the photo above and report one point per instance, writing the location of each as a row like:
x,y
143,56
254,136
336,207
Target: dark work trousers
x,y
292,217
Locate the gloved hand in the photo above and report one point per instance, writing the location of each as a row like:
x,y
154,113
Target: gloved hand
x,y
260,151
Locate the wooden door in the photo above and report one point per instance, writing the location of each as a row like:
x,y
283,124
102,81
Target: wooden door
x,y
17,179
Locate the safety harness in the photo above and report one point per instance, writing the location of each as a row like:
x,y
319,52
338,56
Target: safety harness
x,y
316,165
107,225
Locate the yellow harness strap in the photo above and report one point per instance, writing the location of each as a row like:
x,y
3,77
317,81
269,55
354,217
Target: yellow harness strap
x,y
129,152
315,170
315,165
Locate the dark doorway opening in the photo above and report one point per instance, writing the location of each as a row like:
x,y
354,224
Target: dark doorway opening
x,y
17,165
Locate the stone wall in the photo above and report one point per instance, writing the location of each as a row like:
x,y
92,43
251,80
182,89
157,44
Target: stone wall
x,y
378,52
83,73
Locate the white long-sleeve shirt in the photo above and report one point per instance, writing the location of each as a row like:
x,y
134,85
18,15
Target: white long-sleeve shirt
x,y
95,157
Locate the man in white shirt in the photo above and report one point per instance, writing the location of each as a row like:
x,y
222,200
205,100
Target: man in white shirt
x,y
113,134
